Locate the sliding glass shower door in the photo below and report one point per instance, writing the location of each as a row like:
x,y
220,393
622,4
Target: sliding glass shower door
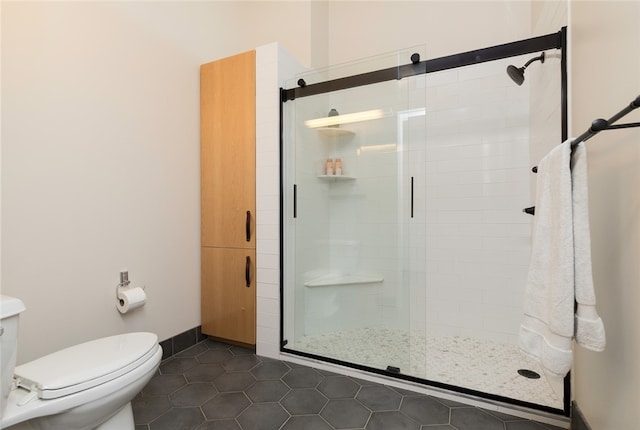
x,y
405,246
349,236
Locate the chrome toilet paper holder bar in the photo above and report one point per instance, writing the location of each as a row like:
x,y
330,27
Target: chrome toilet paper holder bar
x,y
124,283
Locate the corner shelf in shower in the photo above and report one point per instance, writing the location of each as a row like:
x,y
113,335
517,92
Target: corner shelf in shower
x,y
335,279
335,131
336,177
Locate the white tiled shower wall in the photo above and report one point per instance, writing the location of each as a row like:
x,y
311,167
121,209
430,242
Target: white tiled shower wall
x,y
477,183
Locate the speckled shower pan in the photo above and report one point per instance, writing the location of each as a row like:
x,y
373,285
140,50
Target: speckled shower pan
x,y
478,365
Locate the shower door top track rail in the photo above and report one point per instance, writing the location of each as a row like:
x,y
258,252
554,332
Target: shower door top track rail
x,y
498,52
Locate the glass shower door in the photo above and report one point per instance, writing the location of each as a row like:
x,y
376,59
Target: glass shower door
x,y
348,217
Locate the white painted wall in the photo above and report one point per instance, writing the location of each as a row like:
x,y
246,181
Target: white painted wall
x,y
361,29
100,156
605,77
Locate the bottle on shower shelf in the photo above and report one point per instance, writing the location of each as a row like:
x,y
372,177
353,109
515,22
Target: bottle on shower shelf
x,y
328,167
338,167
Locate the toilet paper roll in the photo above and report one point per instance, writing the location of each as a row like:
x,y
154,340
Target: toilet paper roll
x,y
130,299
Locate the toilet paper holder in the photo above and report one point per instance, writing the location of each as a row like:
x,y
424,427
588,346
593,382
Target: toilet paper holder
x,y
124,283
128,297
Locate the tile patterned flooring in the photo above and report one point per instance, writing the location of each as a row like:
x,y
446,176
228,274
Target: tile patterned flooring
x,y
215,386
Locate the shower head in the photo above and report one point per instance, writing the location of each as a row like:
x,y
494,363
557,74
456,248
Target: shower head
x,y
517,73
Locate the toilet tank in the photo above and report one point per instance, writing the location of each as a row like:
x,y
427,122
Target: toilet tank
x,y
10,309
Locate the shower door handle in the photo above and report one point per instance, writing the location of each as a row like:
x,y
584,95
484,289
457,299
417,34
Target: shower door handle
x,y
247,271
247,226
295,201
412,197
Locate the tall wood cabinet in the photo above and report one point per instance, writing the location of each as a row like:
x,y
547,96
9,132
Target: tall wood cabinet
x,y
227,154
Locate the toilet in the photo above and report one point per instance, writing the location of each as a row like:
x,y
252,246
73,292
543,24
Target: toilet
x,y
85,387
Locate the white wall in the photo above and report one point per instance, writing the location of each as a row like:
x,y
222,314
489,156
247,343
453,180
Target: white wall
x,y
100,156
445,27
605,77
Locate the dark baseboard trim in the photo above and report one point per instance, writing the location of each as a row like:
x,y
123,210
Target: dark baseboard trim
x,y
578,422
181,341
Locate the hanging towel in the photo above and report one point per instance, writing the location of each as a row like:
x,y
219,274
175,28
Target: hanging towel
x,y
547,326
560,268
589,328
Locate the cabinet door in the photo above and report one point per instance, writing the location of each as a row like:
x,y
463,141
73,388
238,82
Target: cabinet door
x,y
227,145
229,294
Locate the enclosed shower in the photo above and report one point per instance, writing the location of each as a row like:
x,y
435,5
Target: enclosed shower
x,y
405,244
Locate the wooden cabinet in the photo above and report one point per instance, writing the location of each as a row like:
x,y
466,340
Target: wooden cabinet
x,y
227,154
229,294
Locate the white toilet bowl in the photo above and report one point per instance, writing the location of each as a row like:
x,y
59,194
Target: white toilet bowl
x,y
85,387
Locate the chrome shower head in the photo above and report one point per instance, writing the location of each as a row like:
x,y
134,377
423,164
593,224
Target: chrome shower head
x,y
517,73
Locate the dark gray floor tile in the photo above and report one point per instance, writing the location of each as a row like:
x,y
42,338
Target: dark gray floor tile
x,y
177,365
235,381
404,392
194,394
304,401
302,377
147,409
178,419
439,427
527,425
338,387
308,422
270,370
193,351
225,406
220,425
163,385
236,390
451,403
267,391
238,350
473,419
379,398
263,416
425,410
214,356
363,382
204,372
241,362
214,344
504,417
391,420
345,414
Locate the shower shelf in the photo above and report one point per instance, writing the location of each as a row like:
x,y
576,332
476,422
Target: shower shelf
x,y
334,279
336,177
335,131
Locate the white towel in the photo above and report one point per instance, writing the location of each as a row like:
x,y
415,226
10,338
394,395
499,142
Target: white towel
x,y
589,328
560,268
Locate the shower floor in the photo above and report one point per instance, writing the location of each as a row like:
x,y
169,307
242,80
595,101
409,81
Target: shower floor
x,y
479,365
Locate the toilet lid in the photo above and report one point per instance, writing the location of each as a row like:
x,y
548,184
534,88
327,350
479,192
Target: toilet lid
x,y
84,366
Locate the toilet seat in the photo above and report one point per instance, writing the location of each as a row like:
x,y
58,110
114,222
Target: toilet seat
x,y
85,366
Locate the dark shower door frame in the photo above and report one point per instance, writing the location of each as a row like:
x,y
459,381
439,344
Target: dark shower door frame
x,y
416,67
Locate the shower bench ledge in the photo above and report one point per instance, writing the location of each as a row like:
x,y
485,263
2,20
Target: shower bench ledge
x,y
334,279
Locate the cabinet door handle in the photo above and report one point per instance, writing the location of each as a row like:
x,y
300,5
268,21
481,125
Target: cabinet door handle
x,y
247,271
248,226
